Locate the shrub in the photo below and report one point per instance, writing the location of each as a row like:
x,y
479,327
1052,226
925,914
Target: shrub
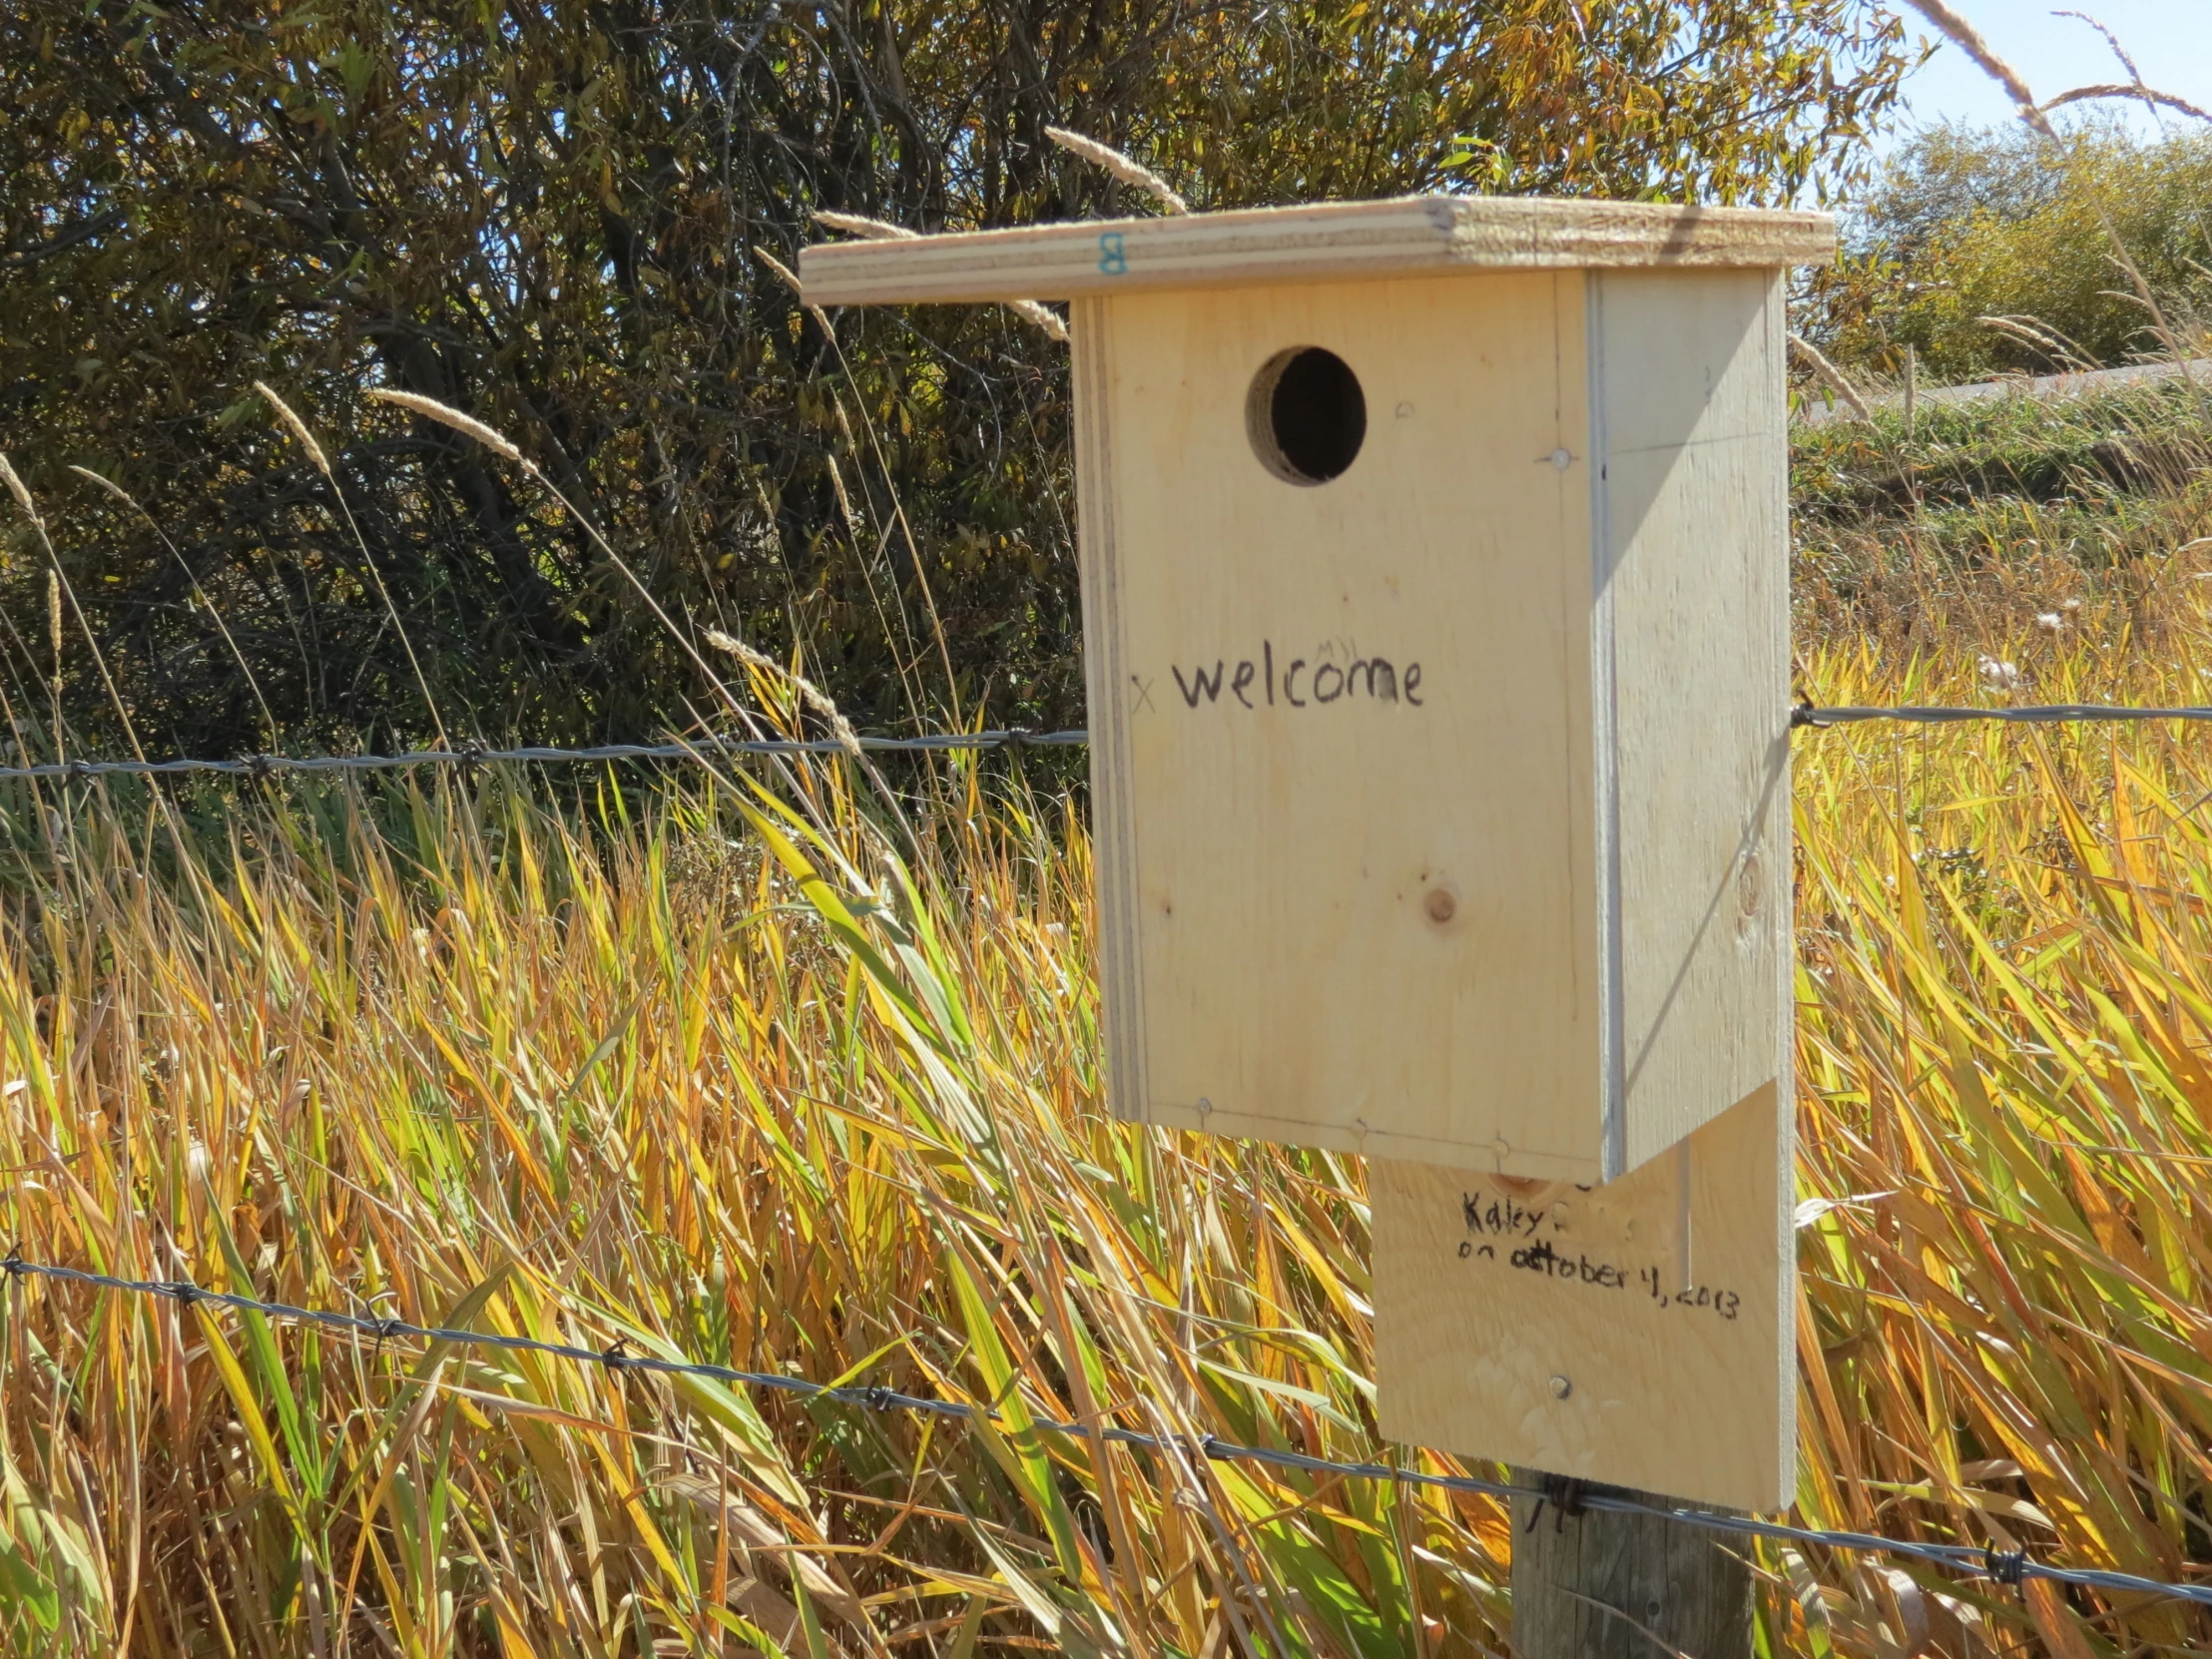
x,y
556,220
1968,223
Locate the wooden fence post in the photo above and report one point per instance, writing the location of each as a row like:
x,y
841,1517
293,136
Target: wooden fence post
x,y
1599,1586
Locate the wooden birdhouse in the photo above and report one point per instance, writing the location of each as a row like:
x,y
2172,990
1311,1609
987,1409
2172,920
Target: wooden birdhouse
x,y
1436,602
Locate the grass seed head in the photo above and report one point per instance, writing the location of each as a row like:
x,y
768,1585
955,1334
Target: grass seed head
x,y
859,225
783,273
1041,317
17,489
296,427
810,693
109,484
446,415
1129,172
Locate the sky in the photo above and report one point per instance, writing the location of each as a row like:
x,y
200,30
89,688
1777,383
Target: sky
x,y
2170,40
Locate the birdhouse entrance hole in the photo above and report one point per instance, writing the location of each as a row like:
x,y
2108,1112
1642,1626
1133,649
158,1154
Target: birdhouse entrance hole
x,y
1306,415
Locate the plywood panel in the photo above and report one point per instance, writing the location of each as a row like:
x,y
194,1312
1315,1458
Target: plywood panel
x,y
1530,916
1105,674
1334,242
1634,1334
1360,918
1692,616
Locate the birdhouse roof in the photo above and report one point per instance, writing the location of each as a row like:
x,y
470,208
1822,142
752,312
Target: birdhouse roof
x,y
1410,236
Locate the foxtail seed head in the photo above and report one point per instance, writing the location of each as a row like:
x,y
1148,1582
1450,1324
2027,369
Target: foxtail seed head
x,y
296,427
431,409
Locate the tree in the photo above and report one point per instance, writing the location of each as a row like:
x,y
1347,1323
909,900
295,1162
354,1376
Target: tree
x,y
553,213
1967,224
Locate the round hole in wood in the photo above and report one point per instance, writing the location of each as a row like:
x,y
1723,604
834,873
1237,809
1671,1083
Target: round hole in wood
x,y
1306,415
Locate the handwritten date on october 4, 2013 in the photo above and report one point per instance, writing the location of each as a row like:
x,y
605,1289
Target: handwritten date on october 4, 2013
x,y
1506,1221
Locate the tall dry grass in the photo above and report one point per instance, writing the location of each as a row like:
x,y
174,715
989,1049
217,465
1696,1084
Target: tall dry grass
x,y
753,1069
726,1079
1981,528
2006,1069
737,1075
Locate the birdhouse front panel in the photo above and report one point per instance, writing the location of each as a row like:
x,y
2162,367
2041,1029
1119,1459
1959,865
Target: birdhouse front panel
x,y
1342,725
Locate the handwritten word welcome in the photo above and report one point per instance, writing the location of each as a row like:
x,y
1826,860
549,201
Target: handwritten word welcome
x,y
1375,678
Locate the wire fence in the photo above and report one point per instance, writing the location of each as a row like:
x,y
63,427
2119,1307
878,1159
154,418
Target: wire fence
x,y
471,754
2045,714
478,755
2011,1567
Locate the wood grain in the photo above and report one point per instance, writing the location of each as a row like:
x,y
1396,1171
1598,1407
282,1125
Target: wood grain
x,y
1692,657
1603,1585
1412,236
1568,514
1634,1334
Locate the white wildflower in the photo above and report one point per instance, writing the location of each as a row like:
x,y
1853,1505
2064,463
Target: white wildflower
x,y
1998,674
2049,621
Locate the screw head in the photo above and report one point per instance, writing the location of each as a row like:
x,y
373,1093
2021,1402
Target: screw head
x,y
1440,905
1561,1388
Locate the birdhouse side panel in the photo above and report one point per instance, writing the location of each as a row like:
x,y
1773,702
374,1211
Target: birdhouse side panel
x,y
1342,745
1692,613
1113,832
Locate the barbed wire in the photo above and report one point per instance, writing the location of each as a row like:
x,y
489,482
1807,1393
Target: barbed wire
x,y
477,754
2010,1567
1802,716
2045,713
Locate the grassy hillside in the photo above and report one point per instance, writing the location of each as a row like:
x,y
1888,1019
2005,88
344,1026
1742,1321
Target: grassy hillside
x,y
739,1073
1992,518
